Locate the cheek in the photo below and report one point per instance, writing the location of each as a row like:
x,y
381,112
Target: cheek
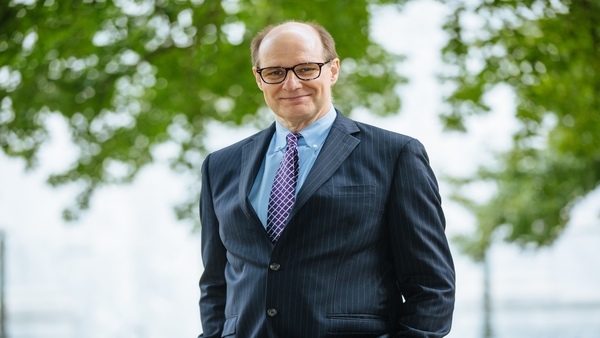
x,y
269,95
268,92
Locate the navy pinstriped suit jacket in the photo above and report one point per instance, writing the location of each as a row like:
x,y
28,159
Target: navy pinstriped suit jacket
x,y
367,230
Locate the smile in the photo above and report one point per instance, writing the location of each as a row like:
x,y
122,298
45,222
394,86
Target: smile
x,y
293,98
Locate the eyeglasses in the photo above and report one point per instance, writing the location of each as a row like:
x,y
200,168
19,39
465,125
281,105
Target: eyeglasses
x,y
304,71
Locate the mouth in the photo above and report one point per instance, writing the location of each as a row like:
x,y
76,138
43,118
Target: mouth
x,y
294,98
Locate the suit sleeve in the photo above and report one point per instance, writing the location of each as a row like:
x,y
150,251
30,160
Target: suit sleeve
x,y
212,283
422,258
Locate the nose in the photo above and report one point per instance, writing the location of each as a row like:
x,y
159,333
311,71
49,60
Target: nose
x,y
291,81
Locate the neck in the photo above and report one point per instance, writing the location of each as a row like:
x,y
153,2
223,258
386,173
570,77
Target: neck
x,y
296,125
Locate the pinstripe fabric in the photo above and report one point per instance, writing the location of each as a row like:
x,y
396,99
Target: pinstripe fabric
x,y
366,230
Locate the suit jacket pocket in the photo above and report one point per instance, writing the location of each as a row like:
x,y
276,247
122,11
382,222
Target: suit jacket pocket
x,y
354,190
229,326
363,325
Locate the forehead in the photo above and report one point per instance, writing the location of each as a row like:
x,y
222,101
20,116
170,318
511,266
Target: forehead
x,y
290,44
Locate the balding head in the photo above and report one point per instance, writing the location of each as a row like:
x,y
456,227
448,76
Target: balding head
x,y
293,27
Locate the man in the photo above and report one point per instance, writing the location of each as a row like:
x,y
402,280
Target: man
x,y
361,250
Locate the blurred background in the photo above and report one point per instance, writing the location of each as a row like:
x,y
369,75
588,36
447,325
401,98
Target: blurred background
x,y
107,109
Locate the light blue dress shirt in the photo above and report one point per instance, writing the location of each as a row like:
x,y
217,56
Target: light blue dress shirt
x,y
309,146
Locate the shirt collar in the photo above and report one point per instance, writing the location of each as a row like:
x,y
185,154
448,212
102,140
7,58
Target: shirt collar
x,y
313,135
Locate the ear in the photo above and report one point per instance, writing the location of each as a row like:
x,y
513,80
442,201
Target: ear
x,y
257,78
335,70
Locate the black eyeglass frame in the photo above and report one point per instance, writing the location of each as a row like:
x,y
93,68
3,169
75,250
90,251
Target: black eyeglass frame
x,y
287,70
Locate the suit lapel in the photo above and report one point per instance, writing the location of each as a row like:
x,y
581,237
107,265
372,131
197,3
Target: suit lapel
x,y
339,144
253,154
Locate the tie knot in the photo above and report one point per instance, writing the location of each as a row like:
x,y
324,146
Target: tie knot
x,y
292,139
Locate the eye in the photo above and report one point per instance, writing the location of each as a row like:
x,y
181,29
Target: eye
x,y
306,69
272,71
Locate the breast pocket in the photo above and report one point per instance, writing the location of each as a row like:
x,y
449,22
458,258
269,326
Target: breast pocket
x,y
355,206
354,190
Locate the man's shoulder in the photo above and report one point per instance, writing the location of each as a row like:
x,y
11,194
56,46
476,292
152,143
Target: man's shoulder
x,y
380,133
369,129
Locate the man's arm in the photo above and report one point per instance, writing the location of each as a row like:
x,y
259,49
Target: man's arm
x,y
212,283
422,258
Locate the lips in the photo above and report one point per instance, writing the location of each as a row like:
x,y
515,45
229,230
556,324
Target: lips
x,y
292,98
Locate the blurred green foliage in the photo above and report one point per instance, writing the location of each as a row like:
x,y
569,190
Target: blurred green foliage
x,y
128,76
548,53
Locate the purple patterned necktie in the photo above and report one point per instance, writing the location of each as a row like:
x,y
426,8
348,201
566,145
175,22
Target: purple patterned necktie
x,y
283,192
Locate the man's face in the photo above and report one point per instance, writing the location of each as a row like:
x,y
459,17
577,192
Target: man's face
x,y
296,103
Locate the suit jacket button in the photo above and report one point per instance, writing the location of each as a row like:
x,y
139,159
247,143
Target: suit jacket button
x,y
272,312
274,266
